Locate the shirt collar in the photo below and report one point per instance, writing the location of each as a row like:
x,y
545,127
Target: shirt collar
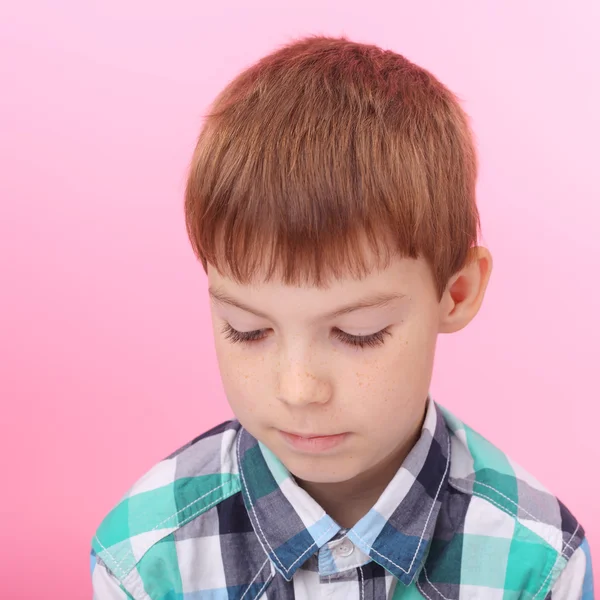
x,y
395,533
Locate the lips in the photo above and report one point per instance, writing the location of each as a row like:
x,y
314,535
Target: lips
x,y
312,443
310,436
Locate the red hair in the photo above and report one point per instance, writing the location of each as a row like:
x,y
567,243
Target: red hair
x,y
325,144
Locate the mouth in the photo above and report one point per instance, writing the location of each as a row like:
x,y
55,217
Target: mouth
x,y
312,443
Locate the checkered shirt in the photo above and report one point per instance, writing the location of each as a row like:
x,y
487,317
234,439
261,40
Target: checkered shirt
x,y
222,519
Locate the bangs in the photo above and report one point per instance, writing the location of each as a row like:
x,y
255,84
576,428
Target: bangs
x,y
297,258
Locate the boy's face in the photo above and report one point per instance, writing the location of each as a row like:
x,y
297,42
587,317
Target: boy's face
x,y
291,363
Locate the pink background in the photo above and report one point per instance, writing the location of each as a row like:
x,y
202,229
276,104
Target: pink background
x,y
106,356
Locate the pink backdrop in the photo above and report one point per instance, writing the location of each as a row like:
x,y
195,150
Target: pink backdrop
x,y
106,357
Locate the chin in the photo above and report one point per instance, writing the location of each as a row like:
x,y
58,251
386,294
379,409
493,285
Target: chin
x,y
314,472
312,477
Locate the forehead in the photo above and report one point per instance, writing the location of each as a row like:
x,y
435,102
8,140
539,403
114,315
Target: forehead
x,y
401,277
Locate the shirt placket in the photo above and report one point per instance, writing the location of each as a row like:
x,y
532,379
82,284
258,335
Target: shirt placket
x,y
348,583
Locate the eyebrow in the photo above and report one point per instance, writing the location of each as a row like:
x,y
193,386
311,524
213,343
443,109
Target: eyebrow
x,y
373,301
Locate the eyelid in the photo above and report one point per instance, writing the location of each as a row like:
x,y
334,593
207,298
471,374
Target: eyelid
x,y
359,341
241,336
371,340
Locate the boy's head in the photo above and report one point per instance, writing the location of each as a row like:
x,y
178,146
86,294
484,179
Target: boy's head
x,y
331,200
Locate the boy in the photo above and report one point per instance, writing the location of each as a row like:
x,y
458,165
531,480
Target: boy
x,y
331,200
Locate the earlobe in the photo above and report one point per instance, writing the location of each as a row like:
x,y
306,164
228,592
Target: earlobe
x,y
465,291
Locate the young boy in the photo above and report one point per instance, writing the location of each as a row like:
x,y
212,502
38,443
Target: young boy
x,y
331,201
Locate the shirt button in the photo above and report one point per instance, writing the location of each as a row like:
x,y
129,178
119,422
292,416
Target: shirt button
x,y
345,548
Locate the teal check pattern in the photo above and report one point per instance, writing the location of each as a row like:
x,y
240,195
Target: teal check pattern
x,y
222,519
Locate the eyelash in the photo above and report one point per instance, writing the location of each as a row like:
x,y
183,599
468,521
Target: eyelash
x,y
357,341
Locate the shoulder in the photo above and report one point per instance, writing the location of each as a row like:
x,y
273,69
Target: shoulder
x,y
506,512
177,490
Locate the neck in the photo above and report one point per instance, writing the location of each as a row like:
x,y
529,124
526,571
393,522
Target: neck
x,y
346,502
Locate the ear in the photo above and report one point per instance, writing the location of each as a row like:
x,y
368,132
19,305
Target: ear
x,y
465,291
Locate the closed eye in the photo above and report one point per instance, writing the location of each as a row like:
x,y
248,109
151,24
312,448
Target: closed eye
x,y
362,341
356,341
239,337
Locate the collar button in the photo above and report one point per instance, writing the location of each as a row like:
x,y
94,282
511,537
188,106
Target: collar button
x,y
345,548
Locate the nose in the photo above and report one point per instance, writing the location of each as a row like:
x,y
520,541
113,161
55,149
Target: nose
x,y
298,385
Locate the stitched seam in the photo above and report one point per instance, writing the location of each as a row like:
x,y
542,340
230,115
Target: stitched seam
x,y
562,554
252,580
204,508
116,566
262,589
480,495
121,572
262,533
423,592
362,583
252,505
433,586
534,597
568,544
130,552
432,506
513,502
316,543
371,549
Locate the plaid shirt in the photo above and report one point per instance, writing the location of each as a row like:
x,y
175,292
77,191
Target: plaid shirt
x,y
222,518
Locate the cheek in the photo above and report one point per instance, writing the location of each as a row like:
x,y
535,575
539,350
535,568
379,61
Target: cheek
x,y
395,378
244,374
